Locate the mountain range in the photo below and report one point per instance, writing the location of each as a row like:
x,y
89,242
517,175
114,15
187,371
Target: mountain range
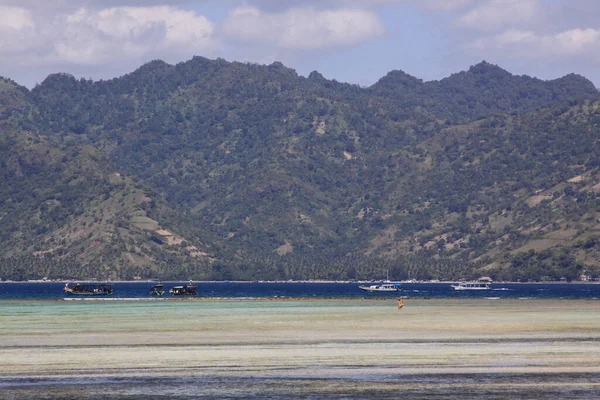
x,y
211,169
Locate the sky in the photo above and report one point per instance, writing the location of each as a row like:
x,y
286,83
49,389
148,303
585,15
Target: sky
x,y
356,41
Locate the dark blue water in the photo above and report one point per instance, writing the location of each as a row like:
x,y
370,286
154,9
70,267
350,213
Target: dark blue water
x,y
53,290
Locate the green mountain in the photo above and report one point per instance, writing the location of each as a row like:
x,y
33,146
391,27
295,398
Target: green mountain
x,y
482,91
218,170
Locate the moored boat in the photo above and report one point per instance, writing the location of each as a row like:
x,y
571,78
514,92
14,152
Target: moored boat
x,y
88,289
382,287
471,286
185,290
157,290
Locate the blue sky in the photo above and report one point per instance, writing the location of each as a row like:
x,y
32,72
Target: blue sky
x,y
348,40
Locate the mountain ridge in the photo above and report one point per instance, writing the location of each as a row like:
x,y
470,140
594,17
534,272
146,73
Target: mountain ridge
x,y
228,170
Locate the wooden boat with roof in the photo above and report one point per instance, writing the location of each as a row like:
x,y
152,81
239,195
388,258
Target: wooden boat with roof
x,y
157,290
184,290
88,289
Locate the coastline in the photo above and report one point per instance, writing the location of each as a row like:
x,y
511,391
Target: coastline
x,y
292,281
300,290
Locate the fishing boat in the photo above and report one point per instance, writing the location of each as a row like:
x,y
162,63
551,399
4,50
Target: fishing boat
x,y
88,289
382,287
185,290
157,290
471,286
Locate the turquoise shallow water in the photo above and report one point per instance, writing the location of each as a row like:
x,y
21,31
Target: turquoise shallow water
x,y
100,315
297,349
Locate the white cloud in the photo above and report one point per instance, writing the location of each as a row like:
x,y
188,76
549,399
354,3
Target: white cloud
x,y
576,40
96,37
510,37
432,5
17,29
15,18
494,14
99,36
92,4
303,28
443,5
518,43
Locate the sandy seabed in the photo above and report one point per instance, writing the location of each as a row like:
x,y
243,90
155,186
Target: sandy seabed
x,y
333,349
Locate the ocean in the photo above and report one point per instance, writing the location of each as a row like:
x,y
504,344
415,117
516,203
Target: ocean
x,y
298,290
268,340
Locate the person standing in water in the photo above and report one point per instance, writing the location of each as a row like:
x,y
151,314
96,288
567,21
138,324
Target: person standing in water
x,y
400,303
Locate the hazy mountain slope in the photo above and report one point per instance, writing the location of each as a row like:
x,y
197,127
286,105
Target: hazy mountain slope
x,y
504,185
66,202
226,141
62,200
245,162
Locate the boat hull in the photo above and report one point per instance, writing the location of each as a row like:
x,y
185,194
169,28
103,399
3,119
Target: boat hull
x,y
380,288
80,294
471,286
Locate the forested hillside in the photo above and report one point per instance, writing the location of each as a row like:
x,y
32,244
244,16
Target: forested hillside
x,y
216,170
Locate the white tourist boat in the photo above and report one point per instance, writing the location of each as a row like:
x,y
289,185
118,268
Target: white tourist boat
x,y
382,287
471,286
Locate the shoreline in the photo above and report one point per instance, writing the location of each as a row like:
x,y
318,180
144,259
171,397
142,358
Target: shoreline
x,y
297,281
288,299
